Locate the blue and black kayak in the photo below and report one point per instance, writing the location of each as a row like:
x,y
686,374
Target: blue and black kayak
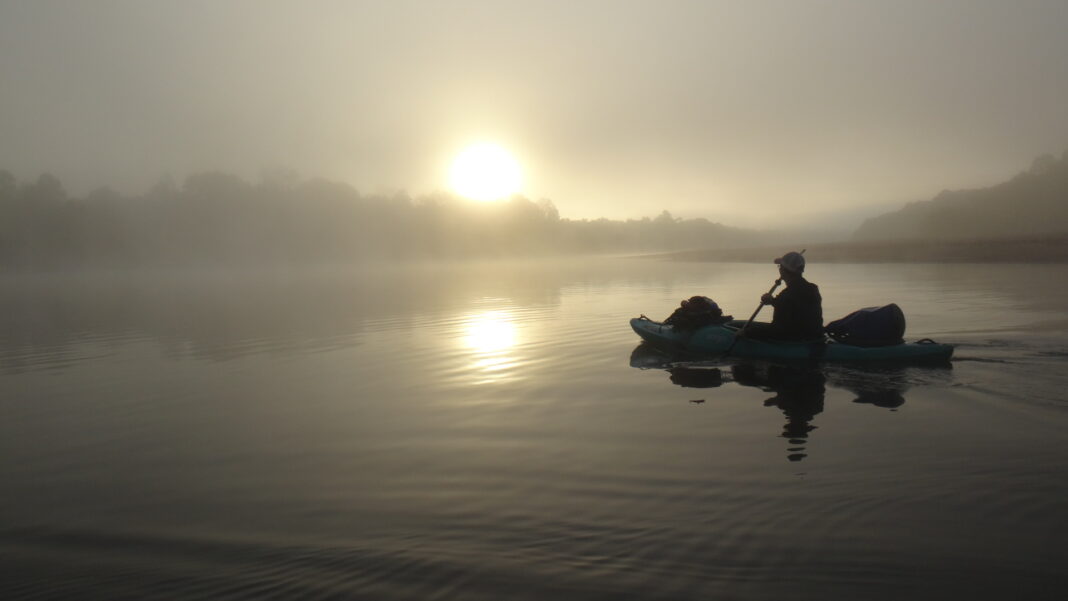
x,y
716,339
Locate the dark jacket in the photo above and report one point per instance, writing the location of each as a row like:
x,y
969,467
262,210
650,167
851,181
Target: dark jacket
x,y
798,312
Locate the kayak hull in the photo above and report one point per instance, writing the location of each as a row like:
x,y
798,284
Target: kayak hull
x,y
716,339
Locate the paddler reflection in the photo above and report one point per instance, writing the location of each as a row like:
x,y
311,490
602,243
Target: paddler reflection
x,y
799,394
799,389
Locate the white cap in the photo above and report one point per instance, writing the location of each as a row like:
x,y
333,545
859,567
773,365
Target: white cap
x,y
792,261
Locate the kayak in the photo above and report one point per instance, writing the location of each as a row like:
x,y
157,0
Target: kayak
x,y
714,339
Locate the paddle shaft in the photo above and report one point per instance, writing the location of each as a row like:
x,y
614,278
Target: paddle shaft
x,y
762,303
752,317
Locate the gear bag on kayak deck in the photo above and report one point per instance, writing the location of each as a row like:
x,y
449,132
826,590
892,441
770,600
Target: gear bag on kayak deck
x,y
871,326
696,312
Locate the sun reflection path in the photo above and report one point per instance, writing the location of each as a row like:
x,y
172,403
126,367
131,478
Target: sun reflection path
x,y
490,336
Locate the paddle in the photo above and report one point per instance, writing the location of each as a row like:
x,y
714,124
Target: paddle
x,y
753,316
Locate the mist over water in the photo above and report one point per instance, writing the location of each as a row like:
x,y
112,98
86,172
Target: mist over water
x,y
494,429
329,299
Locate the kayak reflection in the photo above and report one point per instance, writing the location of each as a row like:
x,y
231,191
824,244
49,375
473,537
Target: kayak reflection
x,y
799,389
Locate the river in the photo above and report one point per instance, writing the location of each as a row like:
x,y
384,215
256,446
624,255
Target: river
x,y
493,430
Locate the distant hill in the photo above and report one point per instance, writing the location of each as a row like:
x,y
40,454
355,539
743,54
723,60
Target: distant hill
x,y
1034,203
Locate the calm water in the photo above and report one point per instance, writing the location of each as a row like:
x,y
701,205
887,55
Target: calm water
x,y
494,431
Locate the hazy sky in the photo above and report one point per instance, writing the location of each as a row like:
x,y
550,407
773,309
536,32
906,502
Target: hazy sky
x,y
749,113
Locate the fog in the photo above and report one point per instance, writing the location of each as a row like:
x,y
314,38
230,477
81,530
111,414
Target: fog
x,y
217,219
755,115
362,299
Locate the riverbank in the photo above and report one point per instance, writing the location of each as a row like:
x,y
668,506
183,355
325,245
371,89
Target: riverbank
x,y
1038,249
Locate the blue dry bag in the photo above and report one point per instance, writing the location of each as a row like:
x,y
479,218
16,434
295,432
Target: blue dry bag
x,y
871,326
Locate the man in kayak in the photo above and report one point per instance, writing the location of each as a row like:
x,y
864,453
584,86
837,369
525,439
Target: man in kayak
x,y
798,309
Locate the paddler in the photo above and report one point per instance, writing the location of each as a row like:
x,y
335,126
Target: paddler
x,y
798,309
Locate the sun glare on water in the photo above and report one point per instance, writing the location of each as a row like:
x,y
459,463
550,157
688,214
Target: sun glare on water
x,y
485,172
490,333
490,339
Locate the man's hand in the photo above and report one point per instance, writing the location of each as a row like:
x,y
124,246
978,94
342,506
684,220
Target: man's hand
x,y
767,299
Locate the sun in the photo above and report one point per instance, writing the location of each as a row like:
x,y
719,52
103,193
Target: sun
x,y
485,172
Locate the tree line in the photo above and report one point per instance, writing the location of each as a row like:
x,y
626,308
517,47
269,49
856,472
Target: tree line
x,y
217,218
